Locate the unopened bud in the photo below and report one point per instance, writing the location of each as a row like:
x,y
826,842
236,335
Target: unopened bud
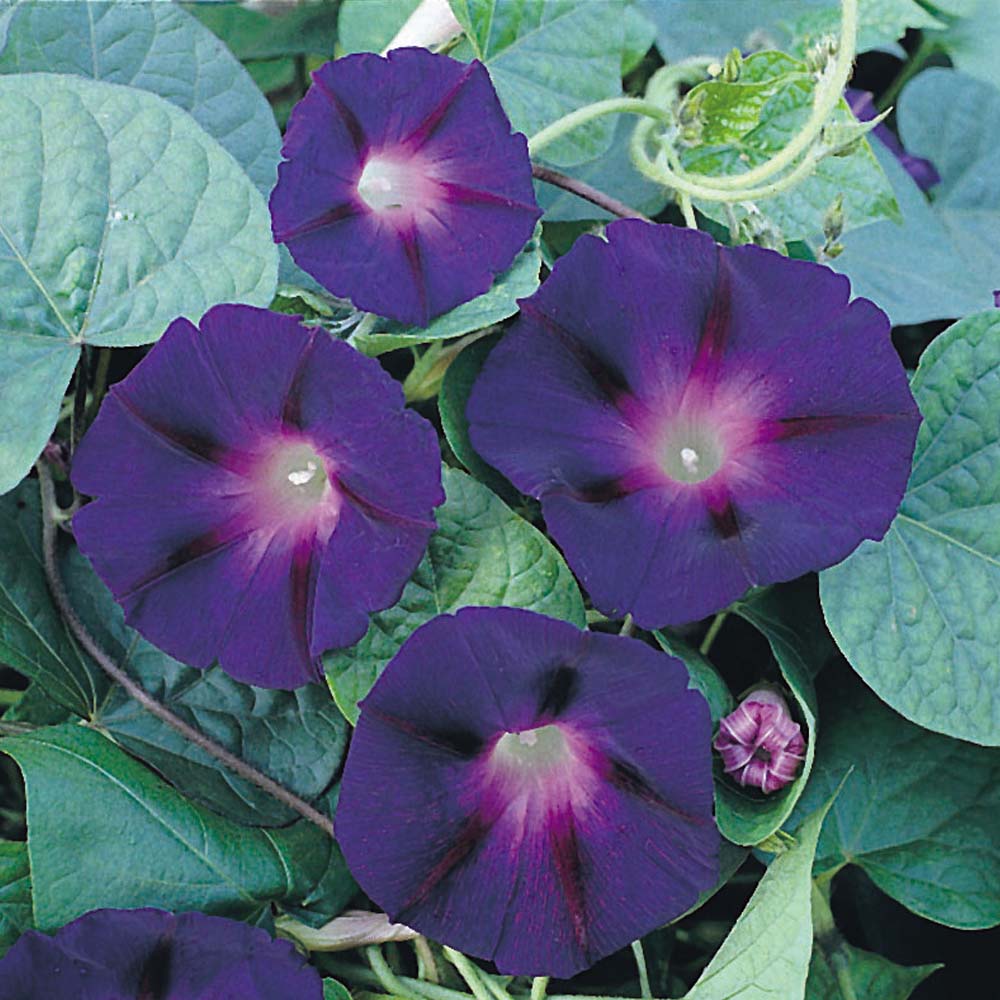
x,y
732,66
821,54
761,744
833,221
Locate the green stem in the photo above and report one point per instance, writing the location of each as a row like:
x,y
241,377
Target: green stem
x,y
386,977
353,973
628,626
426,965
364,327
830,942
100,380
538,987
9,697
613,106
713,631
16,728
79,402
927,47
640,963
661,171
687,210
472,977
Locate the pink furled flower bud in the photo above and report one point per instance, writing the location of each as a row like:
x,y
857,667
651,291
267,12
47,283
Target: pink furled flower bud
x,y
761,745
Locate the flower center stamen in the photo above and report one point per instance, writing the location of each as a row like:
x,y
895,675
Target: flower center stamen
x,y
387,185
300,474
532,749
541,771
691,452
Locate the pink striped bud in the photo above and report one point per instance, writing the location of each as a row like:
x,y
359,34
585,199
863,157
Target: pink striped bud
x,y
761,745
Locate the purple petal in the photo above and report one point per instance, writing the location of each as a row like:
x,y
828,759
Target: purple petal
x,y
403,188
569,779
680,412
154,955
269,536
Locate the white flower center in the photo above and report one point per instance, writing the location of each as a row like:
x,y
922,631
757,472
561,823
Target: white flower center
x,y
387,185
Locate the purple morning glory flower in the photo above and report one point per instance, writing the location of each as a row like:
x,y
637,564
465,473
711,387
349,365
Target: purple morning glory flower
x,y
696,419
529,793
862,104
761,745
260,489
154,955
403,188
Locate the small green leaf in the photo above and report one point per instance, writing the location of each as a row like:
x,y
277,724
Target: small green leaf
x,y
145,844
918,813
741,125
519,281
481,554
872,976
916,614
15,893
33,638
452,399
942,262
767,952
117,214
332,990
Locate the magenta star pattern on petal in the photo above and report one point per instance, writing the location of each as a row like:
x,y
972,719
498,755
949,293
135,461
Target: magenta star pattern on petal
x,y
403,188
154,955
761,745
260,489
530,793
696,419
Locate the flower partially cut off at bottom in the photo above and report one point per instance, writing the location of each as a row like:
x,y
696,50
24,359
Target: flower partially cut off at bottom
x,y
761,745
529,793
154,955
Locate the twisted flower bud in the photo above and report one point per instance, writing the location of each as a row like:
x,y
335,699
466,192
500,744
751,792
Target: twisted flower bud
x,y
761,745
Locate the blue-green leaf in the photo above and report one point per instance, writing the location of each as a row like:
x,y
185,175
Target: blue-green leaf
x,y
156,47
918,813
918,614
145,844
117,214
942,262
766,954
